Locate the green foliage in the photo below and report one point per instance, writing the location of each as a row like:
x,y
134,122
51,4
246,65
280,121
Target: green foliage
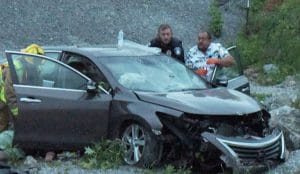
x,y
168,169
256,5
296,104
275,77
103,155
260,97
172,170
15,154
273,37
216,22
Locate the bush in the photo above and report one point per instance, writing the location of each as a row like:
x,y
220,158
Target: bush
x,y
216,22
103,155
273,36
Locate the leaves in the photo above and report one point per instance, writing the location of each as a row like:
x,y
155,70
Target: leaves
x,y
105,154
216,22
273,37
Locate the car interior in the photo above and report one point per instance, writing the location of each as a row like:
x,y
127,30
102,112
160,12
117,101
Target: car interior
x,y
88,68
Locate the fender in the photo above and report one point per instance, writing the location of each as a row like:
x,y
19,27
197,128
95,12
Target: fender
x,y
143,113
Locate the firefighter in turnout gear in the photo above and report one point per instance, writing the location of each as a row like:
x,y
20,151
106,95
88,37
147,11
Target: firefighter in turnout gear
x,y
8,100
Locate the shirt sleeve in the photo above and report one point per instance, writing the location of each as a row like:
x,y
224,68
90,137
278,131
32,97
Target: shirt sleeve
x,y
188,60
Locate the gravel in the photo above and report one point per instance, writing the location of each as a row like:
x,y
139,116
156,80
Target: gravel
x,y
90,22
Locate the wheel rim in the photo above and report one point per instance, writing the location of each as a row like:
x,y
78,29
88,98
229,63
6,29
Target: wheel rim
x,y
133,140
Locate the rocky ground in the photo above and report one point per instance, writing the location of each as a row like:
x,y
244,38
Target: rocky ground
x,y
279,100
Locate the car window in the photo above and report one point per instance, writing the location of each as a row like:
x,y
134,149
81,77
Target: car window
x,y
86,67
38,71
152,73
52,54
230,72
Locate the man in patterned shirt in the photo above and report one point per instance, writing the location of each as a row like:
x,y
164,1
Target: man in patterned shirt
x,y
203,57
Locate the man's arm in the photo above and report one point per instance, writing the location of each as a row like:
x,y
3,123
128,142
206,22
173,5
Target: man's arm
x,y
154,43
227,61
181,57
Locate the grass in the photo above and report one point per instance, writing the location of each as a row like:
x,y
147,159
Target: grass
x,y
168,169
260,97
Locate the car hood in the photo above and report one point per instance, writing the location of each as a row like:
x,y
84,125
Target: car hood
x,y
217,101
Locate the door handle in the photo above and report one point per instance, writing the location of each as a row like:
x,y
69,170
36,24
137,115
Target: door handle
x,y
245,89
30,100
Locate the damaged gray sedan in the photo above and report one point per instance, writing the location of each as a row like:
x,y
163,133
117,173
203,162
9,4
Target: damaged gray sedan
x,y
160,109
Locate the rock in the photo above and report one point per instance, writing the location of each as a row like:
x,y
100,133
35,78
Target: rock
x,y
270,68
288,119
289,82
251,73
291,166
67,156
6,138
281,99
30,162
49,156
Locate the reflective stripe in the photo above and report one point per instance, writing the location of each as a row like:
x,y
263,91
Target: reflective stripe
x,y
2,94
19,70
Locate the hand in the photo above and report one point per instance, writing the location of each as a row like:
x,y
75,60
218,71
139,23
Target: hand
x,y
201,71
214,61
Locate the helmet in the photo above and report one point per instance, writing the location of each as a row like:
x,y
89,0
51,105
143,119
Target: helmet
x,y
32,49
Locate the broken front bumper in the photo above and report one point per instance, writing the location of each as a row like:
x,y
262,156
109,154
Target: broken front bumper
x,y
240,153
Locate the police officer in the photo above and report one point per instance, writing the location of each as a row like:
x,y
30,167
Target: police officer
x,y
168,44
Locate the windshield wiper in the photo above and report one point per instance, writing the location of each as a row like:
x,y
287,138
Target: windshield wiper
x,y
143,90
186,89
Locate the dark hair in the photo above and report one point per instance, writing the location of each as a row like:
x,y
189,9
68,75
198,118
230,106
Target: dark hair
x,y
208,34
163,27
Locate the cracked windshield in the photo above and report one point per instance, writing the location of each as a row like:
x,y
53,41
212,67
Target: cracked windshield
x,y
153,74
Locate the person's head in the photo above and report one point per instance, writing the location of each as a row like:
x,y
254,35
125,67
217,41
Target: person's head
x,y
204,40
164,33
33,49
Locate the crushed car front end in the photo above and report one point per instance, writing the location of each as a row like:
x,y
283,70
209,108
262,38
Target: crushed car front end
x,y
237,142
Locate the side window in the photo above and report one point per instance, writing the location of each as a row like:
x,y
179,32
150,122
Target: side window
x,y
53,54
86,67
38,71
232,71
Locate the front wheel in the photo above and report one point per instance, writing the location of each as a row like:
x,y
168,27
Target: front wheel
x,y
141,147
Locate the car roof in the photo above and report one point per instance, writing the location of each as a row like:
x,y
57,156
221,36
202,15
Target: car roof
x,y
128,48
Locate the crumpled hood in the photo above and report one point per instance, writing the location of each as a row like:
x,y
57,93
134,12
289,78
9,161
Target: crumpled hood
x,y
217,101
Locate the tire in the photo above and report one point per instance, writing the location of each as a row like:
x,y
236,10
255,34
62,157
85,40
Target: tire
x,y
141,147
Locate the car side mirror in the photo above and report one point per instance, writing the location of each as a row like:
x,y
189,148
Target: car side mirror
x,y
222,81
92,87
